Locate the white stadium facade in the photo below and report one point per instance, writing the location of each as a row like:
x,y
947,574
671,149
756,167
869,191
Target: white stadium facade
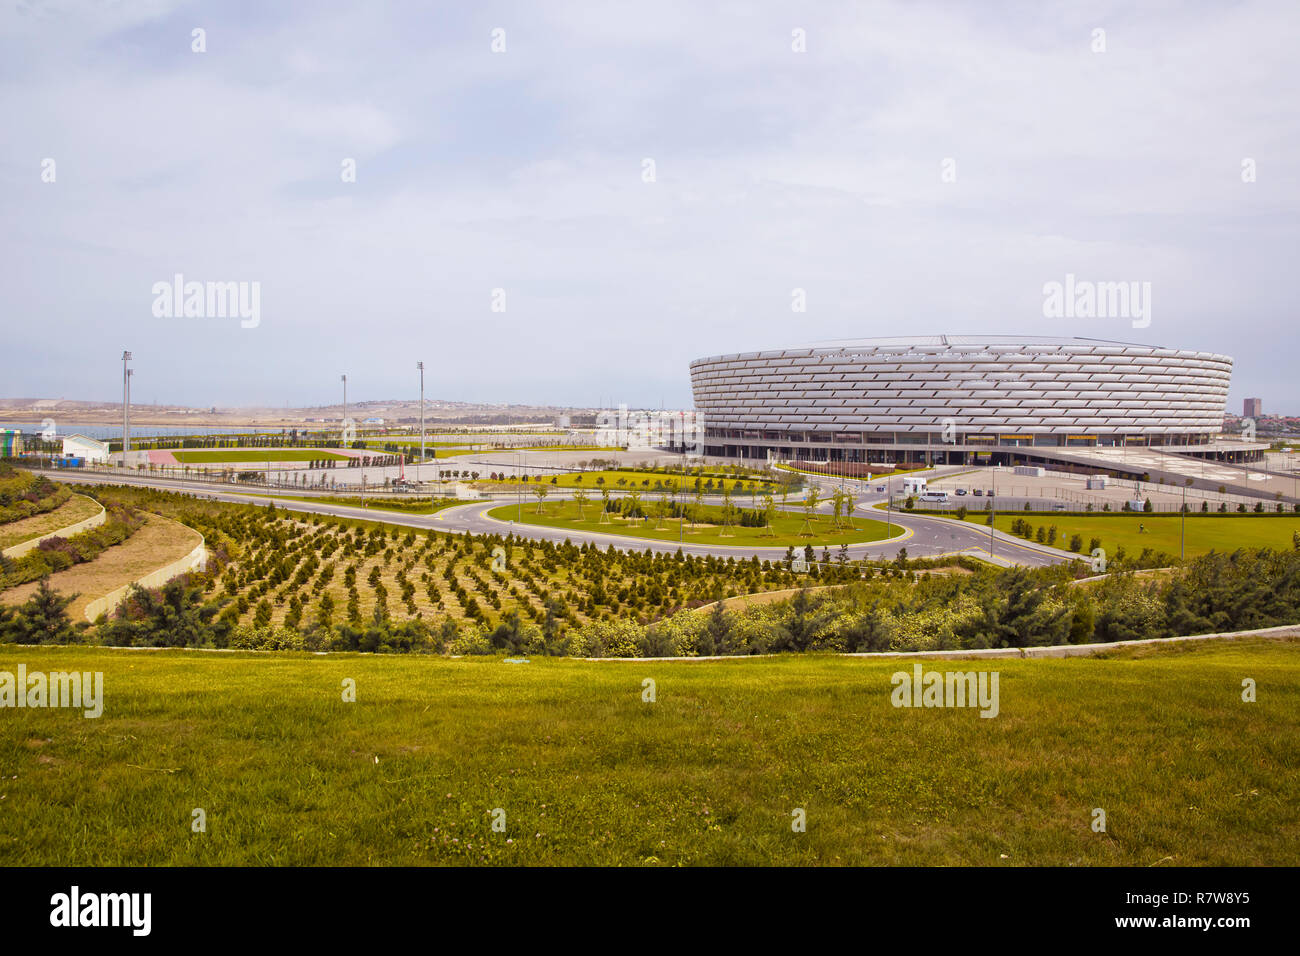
x,y
955,399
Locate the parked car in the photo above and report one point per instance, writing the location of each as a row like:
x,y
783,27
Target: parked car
x,y
961,491
979,491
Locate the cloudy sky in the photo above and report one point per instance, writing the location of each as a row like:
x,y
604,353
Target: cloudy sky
x,y
647,183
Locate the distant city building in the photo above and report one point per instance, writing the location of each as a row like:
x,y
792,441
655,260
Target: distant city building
x,y
11,443
1252,408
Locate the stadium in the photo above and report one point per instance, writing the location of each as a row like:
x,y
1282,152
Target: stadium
x,y
950,399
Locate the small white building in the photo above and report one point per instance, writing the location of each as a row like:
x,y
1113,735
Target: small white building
x,y
913,485
79,446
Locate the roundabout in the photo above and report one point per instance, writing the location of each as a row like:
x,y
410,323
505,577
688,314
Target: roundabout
x,y
923,536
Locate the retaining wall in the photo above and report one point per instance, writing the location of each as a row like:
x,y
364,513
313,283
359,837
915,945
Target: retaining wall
x,y
196,560
94,521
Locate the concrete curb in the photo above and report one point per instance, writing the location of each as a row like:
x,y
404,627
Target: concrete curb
x,y
1050,651
196,560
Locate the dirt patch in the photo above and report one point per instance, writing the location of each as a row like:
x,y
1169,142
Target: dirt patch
x,y
77,508
158,542
764,597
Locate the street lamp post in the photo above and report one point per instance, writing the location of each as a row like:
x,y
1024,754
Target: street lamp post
x,y
993,509
889,504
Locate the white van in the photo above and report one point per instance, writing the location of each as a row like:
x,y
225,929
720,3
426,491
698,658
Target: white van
x,y
935,496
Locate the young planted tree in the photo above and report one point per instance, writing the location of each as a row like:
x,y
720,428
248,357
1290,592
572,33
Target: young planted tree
x,y
837,506
325,612
541,491
580,499
42,619
809,508
727,508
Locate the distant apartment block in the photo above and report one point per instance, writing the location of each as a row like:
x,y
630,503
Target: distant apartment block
x,y
1252,408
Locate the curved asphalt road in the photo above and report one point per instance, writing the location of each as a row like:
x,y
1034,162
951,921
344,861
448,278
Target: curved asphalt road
x,y
921,535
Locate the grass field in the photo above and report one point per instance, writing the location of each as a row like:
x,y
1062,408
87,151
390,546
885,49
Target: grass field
x,y
158,542
710,773
374,504
1204,532
433,453
202,456
77,508
787,526
645,481
406,441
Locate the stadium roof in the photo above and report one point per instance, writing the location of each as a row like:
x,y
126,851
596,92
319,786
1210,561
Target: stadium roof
x,y
969,340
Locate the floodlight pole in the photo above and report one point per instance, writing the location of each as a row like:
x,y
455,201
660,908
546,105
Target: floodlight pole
x,y
420,366
126,406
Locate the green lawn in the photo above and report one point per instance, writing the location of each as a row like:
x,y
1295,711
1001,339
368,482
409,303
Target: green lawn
x,y
644,481
431,449
416,505
451,452
788,526
587,773
197,456
1204,532
75,509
